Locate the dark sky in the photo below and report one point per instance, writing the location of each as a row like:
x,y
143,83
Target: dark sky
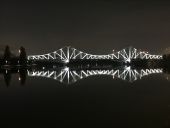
x,y
95,27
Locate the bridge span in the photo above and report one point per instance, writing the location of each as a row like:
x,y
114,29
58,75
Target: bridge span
x,y
66,54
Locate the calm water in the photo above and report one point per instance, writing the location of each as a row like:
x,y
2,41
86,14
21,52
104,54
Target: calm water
x,y
96,101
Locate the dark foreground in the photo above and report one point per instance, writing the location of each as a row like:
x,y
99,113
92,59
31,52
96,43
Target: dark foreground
x,y
97,101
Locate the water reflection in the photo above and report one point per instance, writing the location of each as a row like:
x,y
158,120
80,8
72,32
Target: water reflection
x,y
71,74
7,77
8,72
68,75
22,76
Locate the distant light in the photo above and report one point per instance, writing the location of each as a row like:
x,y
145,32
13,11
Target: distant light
x,y
66,69
66,61
128,68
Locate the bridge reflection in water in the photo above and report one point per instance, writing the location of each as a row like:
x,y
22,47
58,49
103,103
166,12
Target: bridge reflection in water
x,y
69,75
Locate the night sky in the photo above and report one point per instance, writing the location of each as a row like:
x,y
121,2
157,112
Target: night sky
x,y
95,27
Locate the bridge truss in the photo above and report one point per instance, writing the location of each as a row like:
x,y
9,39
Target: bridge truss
x,y
68,53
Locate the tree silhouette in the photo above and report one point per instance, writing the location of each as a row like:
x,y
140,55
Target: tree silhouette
x,y
22,55
7,54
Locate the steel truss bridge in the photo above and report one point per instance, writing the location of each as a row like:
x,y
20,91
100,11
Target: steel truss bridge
x,y
66,54
68,76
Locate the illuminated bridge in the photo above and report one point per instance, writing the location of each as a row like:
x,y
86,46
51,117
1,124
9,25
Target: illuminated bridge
x,y
66,54
68,76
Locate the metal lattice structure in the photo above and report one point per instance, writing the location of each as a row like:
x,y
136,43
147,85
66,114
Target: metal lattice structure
x,y
68,76
68,53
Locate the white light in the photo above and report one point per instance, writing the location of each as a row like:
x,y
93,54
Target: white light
x,y
128,68
128,60
66,69
66,61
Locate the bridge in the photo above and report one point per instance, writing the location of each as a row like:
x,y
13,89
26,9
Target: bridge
x,y
66,54
68,76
